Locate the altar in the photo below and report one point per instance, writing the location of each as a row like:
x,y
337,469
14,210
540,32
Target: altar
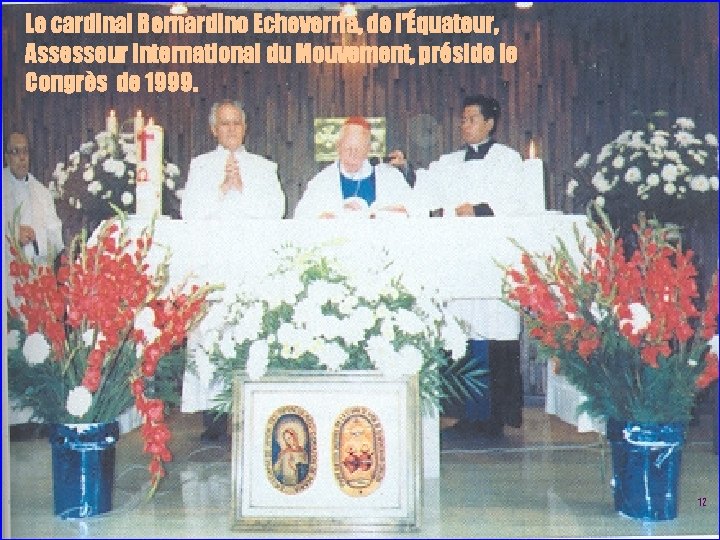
x,y
456,259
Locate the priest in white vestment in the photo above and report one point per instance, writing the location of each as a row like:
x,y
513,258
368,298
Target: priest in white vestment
x,y
39,229
351,186
228,183
482,179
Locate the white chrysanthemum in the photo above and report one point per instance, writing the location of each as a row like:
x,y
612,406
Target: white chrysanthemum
x,y
179,194
598,312
600,201
624,137
583,161
618,162
673,155
94,187
683,138
352,331
571,187
408,322
700,183
348,304
379,350
250,324
714,183
653,180
714,345
332,355
711,139
685,123
169,183
669,172
605,152
88,174
36,349
658,140
669,188
172,169
257,361
601,183
410,360
75,157
637,141
13,339
145,321
88,337
639,317
78,401
387,329
455,338
227,345
633,175
126,198
363,317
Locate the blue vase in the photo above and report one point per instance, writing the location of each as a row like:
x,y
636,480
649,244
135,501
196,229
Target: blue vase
x,y
646,467
83,464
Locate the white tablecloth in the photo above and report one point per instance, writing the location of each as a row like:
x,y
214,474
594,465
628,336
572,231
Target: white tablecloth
x,y
457,256
563,399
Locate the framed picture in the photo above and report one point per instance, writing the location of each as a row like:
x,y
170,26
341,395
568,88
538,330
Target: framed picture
x,y
327,131
318,451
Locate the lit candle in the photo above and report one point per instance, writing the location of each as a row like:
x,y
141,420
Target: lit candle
x,y
138,124
111,123
150,176
531,151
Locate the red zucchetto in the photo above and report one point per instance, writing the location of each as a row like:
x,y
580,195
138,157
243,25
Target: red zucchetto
x,y
358,121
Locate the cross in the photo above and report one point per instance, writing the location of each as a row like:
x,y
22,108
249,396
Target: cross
x,y
144,136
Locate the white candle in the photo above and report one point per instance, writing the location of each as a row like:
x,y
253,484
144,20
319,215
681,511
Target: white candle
x,y
150,176
111,123
531,152
138,124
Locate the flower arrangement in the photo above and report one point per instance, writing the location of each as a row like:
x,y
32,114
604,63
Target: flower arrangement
x,y
670,174
101,174
313,313
626,331
87,339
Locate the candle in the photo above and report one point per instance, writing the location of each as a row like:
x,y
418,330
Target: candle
x,y
150,175
111,123
138,125
531,152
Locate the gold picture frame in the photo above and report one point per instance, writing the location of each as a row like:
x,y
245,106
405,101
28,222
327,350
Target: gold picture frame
x,y
327,131
317,451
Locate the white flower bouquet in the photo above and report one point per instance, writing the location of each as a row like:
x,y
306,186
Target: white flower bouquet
x,y
669,174
313,314
101,174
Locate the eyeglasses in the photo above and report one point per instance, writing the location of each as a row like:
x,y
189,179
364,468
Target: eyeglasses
x,y
22,151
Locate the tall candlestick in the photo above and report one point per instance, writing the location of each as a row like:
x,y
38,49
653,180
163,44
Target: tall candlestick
x,y
150,177
111,123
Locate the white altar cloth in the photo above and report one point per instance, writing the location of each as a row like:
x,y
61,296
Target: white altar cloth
x,y
458,257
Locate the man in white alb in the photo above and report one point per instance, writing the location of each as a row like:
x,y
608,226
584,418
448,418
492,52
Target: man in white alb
x,y
482,179
351,186
227,183
230,182
39,232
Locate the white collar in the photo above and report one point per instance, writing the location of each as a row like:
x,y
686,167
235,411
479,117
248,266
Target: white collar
x,y
363,172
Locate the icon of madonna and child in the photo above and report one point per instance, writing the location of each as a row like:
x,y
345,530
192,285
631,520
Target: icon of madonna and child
x,y
291,453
